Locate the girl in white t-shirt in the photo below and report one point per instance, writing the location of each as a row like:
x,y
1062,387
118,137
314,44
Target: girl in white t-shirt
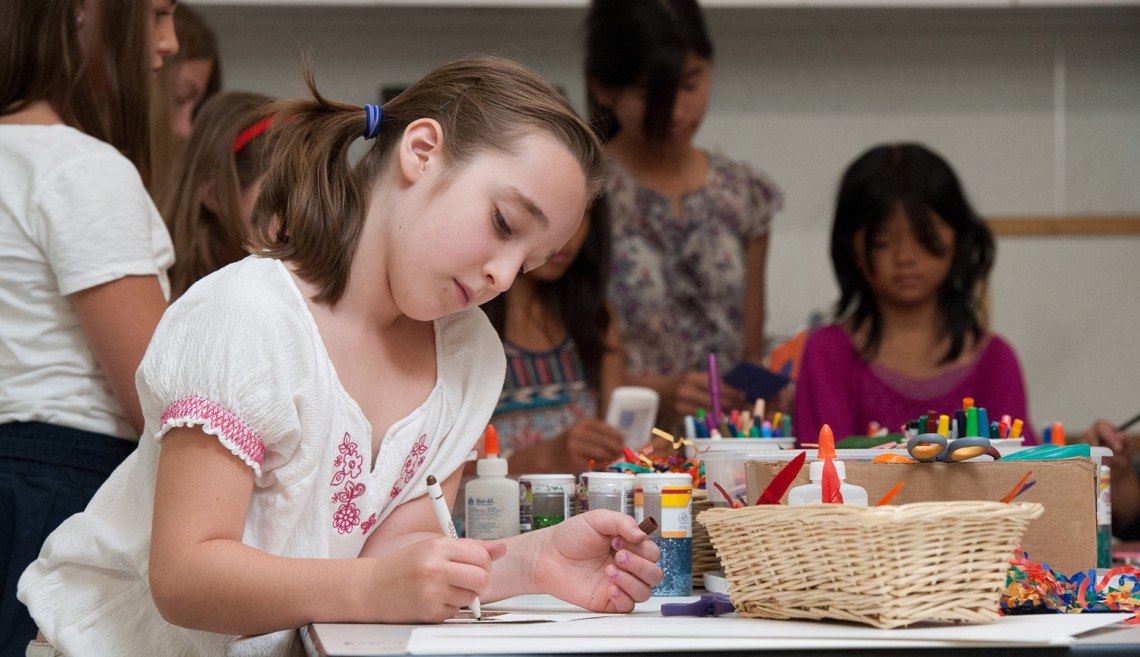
x,y
83,260
296,401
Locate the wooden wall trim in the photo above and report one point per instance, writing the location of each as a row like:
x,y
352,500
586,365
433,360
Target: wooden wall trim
x,y
1023,226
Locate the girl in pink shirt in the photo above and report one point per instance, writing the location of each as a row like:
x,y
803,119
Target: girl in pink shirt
x,y
910,255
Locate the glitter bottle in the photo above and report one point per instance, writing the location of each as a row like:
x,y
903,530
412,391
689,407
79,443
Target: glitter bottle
x,y
669,498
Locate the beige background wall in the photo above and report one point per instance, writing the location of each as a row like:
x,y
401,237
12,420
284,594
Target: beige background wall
x,y
1038,109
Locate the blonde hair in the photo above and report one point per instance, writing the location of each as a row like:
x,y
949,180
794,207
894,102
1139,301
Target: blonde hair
x,y
313,200
206,240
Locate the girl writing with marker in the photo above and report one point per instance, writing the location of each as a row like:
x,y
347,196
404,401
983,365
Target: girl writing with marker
x,y
296,401
563,358
910,255
690,228
83,260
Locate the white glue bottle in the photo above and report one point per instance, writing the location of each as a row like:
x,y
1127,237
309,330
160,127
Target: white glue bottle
x,y
812,493
492,499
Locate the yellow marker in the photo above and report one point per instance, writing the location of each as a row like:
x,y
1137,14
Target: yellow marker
x,y
776,419
944,425
1015,431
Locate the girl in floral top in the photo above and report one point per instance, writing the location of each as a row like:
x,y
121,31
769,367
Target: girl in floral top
x,y
690,228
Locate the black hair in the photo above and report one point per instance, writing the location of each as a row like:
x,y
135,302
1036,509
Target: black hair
x,y
578,298
642,42
919,181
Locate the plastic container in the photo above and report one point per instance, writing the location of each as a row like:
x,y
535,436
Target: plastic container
x,y
668,498
1104,519
633,410
813,493
545,500
606,490
702,446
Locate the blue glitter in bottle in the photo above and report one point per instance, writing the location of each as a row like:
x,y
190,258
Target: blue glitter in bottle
x,y
676,566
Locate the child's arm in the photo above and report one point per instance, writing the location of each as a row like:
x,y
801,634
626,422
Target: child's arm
x,y
118,319
755,265
572,561
203,577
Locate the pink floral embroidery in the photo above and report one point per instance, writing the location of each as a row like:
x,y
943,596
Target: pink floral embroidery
x,y
368,524
346,517
233,430
415,459
349,463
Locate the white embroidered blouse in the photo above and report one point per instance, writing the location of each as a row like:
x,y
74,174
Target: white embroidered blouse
x,y
240,356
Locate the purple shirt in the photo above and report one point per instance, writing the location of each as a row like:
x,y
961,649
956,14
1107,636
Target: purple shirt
x,y
837,387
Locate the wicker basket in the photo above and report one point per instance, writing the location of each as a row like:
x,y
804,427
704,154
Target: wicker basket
x,y
883,566
704,555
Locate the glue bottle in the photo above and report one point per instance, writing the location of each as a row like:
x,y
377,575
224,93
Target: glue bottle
x,y
812,493
492,499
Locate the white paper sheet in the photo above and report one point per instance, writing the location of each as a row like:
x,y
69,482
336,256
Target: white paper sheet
x,y
645,630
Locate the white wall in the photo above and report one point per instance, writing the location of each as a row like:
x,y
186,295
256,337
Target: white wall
x,y
1039,111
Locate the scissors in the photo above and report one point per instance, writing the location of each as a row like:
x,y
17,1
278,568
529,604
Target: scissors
x,y
709,604
935,447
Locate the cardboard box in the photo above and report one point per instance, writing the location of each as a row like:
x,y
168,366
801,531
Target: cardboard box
x,y
1063,537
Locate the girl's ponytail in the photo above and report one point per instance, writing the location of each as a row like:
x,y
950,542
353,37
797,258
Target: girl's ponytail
x,y
313,200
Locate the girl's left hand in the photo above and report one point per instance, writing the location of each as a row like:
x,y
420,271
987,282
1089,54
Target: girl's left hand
x,y
574,562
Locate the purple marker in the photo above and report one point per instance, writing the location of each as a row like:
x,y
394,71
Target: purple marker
x,y
714,387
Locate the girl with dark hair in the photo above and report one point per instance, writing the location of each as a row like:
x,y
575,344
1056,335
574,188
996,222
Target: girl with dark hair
x,y
563,358
690,228
298,401
910,256
83,260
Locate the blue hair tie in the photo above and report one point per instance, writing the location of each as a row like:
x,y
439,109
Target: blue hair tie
x,y
373,114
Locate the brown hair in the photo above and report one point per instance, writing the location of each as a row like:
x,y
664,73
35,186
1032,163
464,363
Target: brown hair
x,y
40,60
313,201
206,240
195,41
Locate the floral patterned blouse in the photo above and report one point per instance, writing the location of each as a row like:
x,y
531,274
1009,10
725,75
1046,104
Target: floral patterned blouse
x,y
677,283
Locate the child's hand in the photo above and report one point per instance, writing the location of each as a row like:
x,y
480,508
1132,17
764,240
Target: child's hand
x,y
691,392
428,581
1103,432
589,438
573,562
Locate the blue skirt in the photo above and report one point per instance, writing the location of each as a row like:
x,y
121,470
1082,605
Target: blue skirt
x,y
47,473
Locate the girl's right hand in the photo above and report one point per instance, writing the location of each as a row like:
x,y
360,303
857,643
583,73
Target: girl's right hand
x,y
430,580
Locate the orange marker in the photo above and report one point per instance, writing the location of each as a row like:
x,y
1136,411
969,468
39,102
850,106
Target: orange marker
x,y
1058,434
967,403
1016,489
1015,432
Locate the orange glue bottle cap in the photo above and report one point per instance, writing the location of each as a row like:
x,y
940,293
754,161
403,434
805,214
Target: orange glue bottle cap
x,y
826,443
491,442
